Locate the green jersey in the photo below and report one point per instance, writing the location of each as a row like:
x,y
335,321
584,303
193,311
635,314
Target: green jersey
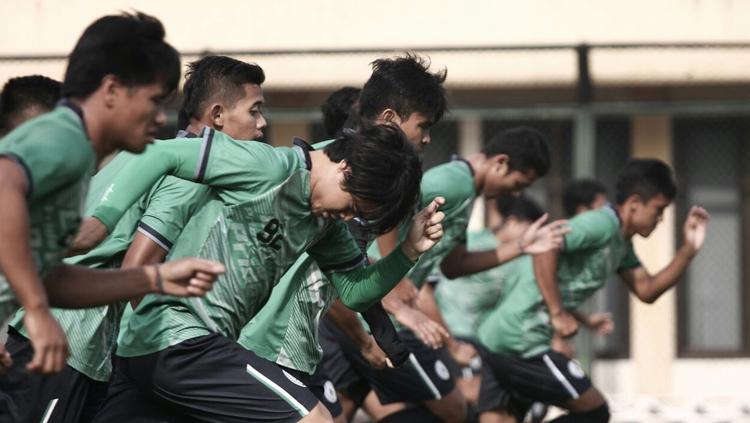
x,y
594,251
160,214
463,301
57,157
258,226
453,181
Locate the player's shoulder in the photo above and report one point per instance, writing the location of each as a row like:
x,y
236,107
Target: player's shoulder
x,y
453,181
57,129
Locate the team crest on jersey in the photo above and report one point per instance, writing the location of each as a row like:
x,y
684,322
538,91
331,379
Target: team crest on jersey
x,y
330,392
293,379
441,370
575,370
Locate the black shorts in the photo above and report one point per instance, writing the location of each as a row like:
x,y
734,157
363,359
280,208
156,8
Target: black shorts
x,y
322,387
513,384
208,378
68,396
425,375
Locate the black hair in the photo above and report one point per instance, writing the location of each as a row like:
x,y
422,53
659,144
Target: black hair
x,y
526,148
647,178
384,174
581,192
521,207
129,46
337,109
24,92
215,77
405,85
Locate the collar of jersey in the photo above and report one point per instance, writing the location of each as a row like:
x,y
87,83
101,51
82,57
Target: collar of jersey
x,y
304,148
76,109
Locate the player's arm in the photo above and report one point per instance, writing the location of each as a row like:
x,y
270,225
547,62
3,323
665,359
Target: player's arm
x,y
535,240
20,271
347,322
361,287
143,251
462,352
648,288
545,272
82,287
601,323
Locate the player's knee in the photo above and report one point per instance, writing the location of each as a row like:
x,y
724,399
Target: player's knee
x,y
319,414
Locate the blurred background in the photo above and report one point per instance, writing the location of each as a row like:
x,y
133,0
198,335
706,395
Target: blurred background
x,y
605,80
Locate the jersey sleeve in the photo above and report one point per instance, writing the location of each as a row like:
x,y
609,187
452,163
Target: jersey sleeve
x,y
169,207
337,251
215,160
450,182
49,162
630,261
361,287
589,230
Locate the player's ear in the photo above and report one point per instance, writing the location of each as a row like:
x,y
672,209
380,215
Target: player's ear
x,y
216,115
388,116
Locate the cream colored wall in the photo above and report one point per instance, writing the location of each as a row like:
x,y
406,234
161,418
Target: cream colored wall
x,y
52,26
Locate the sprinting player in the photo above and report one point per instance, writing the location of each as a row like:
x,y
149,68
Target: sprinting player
x,y
400,91
583,195
26,97
273,204
535,303
464,301
117,78
511,161
220,93
337,110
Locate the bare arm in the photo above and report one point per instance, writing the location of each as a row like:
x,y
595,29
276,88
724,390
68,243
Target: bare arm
x,y
535,240
18,267
142,251
347,322
82,287
649,288
545,272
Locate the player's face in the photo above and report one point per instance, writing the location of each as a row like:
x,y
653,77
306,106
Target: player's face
x,y
500,179
330,200
244,120
646,215
417,129
140,114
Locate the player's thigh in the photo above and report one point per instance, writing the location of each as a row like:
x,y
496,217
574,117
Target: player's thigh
x,y
319,414
451,408
588,401
214,378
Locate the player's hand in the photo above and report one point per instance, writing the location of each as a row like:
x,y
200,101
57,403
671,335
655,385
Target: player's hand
x,y
425,230
562,346
5,360
190,277
564,324
427,330
374,355
91,232
462,352
48,340
539,239
601,323
694,230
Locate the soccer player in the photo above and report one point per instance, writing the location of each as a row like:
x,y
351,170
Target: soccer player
x,y
26,97
519,366
219,92
272,205
338,109
511,161
463,301
401,91
117,77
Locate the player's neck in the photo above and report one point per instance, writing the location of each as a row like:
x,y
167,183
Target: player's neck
x,y
478,162
94,122
195,127
626,229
